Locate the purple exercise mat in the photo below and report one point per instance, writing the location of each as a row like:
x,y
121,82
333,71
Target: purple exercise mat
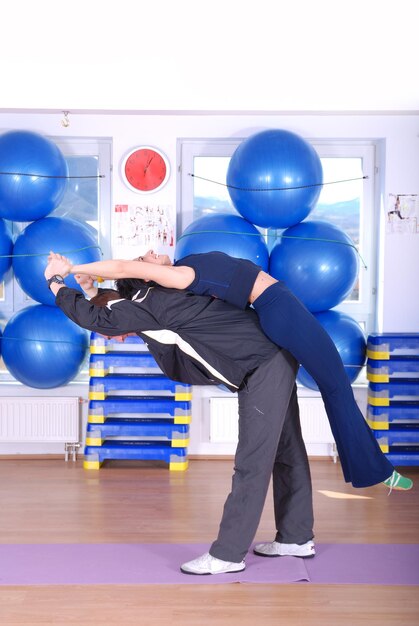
x,y
380,564
117,564
154,563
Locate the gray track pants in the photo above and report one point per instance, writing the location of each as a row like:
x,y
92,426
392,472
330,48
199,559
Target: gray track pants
x,y
270,444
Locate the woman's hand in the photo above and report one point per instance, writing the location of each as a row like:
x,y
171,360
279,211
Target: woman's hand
x,y
57,264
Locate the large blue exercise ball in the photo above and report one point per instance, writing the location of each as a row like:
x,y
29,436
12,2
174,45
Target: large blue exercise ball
x,y
317,261
274,178
43,348
73,239
225,233
33,176
349,340
6,248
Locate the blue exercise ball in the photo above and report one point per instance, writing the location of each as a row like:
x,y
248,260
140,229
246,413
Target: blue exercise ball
x,y
225,233
73,239
43,348
6,247
274,178
349,340
33,176
317,261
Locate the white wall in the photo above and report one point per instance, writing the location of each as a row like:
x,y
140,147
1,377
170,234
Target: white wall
x,y
398,162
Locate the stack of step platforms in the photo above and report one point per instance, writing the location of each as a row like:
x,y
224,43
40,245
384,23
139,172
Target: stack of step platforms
x,y
135,411
393,394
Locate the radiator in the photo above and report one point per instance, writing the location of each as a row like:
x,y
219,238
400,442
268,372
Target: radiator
x,y
35,419
224,420
314,423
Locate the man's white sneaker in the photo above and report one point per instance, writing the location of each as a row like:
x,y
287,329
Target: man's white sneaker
x,y
305,551
207,564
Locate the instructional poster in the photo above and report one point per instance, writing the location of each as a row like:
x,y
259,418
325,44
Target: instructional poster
x,y
141,227
402,213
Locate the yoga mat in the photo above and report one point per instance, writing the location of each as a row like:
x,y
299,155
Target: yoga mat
x,y
96,564
372,564
128,564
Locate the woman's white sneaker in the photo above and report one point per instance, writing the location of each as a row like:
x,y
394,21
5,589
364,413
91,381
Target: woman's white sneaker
x,y
207,564
305,551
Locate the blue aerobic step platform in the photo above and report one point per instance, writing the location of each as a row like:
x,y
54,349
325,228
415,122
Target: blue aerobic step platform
x,y
380,371
176,434
160,407
403,438
136,450
389,417
388,345
403,457
135,411
131,385
123,363
100,345
385,394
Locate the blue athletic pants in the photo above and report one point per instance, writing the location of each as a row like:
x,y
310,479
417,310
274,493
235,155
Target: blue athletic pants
x,y
287,322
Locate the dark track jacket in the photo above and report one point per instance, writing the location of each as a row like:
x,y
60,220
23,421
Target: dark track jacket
x,y
195,339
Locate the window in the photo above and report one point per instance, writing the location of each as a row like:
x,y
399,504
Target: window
x,y
348,205
86,199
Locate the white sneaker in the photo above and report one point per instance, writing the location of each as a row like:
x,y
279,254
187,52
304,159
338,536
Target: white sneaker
x,y
305,551
207,564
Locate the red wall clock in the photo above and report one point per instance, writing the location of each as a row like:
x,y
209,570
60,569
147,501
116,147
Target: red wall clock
x,y
145,169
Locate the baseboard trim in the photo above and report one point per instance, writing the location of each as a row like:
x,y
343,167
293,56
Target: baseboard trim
x,y
191,457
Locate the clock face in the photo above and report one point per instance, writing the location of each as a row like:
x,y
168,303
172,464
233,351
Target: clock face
x,y
145,169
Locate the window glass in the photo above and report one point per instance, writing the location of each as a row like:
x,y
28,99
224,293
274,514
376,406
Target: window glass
x,y
209,186
81,199
340,202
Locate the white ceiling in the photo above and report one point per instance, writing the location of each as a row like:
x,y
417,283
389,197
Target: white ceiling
x,y
222,55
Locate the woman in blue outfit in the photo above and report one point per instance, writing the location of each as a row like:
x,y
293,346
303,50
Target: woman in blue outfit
x,y
284,319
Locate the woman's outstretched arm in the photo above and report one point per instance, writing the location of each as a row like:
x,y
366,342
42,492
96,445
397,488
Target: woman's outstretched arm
x,y
176,277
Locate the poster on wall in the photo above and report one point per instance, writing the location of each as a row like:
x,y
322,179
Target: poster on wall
x,y
402,213
141,227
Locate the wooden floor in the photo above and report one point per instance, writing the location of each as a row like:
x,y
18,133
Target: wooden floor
x,y
49,501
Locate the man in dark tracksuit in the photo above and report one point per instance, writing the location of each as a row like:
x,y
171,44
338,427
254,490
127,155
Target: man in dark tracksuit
x,y
201,340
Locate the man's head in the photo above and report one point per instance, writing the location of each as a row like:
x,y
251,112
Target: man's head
x,y
119,338
104,296
102,299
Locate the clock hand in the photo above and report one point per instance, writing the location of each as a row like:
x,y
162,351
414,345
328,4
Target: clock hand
x,y
148,164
